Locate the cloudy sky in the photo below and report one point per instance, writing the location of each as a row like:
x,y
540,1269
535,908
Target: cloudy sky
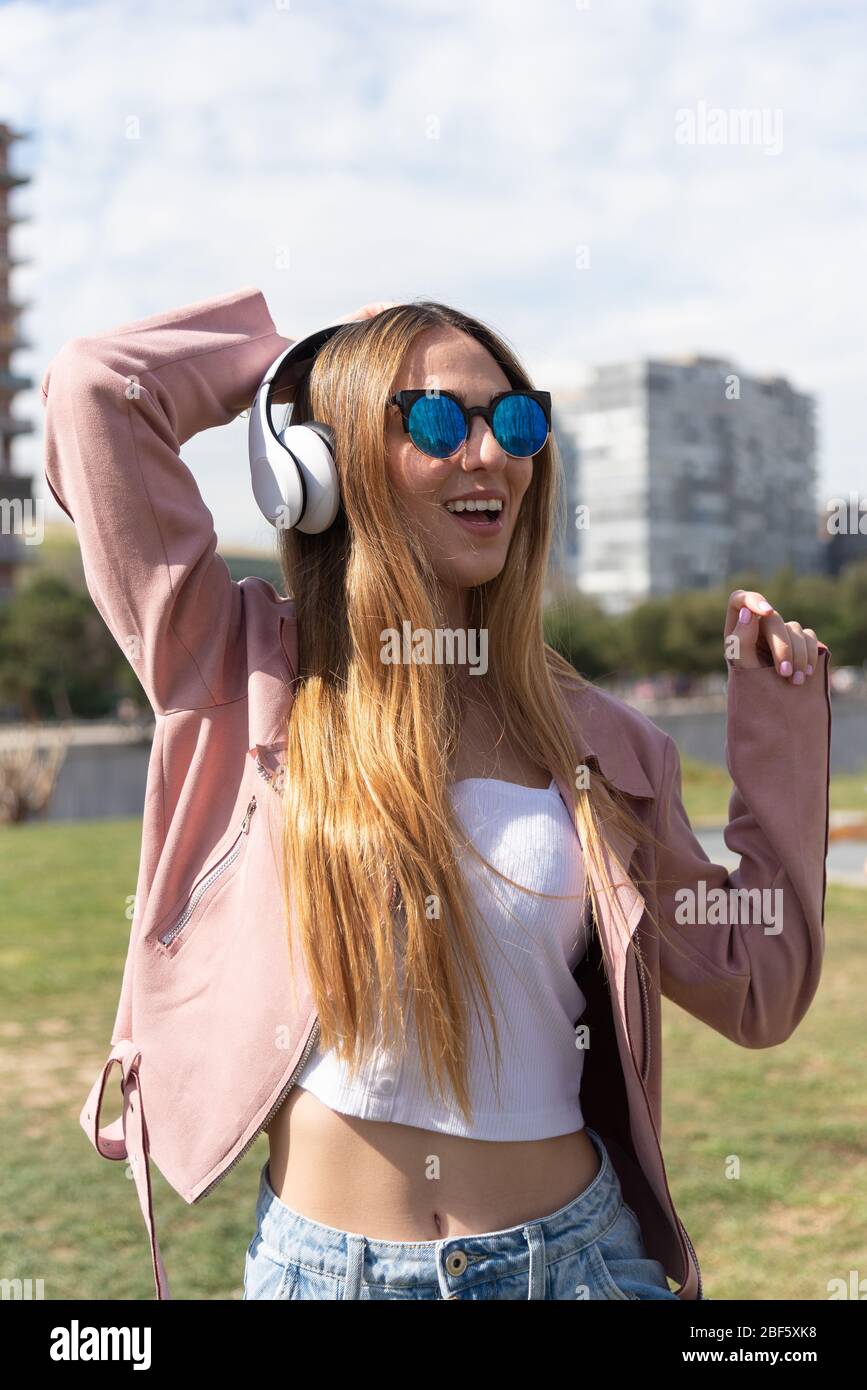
x,y
332,153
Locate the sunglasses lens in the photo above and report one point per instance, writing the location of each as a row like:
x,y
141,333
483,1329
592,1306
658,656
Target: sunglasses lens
x,y
436,426
520,425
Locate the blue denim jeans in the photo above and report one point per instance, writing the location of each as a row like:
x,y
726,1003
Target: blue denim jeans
x,y
591,1248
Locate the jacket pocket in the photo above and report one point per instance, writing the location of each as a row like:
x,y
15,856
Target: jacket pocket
x,y
171,938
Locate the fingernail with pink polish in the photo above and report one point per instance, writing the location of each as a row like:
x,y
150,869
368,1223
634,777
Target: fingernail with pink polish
x,y
809,670
798,678
744,616
785,668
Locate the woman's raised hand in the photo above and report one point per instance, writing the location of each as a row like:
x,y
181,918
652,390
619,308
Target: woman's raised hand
x,y
369,311
755,635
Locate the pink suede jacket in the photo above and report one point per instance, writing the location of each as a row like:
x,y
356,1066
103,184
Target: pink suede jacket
x,y
210,1034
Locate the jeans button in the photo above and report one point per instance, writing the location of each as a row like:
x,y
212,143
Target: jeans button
x,y
456,1262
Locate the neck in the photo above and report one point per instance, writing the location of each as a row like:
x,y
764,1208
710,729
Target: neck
x,y
456,608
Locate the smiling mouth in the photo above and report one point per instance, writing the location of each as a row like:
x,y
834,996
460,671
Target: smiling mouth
x,y
490,522
484,519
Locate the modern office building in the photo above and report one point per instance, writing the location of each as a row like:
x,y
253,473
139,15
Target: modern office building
x,y
842,527
16,489
681,473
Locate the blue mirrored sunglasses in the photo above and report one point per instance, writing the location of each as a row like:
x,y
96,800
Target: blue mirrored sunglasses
x,y
438,423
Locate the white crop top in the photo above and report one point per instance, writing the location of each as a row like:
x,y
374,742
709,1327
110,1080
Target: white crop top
x,y
526,833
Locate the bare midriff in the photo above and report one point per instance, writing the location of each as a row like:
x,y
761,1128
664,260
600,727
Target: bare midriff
x,y
397,1182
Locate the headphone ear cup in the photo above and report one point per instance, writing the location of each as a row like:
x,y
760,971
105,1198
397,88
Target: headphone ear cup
x,y
325,432
310,493
293,473
295,479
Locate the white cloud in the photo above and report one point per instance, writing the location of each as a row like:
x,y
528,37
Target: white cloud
x,y
309,126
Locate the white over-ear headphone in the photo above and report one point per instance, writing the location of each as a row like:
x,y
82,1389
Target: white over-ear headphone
x,y
293,472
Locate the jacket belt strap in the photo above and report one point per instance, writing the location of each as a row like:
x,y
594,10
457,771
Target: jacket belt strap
x,y
127,1138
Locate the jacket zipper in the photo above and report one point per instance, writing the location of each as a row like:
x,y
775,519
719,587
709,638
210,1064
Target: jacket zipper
x,y
308,1048
662,1161
645,1012
213,874
312,1037
667,1188
642,1076
274,780
694,1256
263,772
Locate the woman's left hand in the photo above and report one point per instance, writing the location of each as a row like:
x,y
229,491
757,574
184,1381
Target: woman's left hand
x,y
755,635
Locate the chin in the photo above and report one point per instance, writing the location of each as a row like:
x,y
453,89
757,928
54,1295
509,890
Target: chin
x,y
470,575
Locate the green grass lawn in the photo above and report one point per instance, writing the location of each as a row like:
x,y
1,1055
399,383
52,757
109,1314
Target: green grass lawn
x,y
793,1116
706,789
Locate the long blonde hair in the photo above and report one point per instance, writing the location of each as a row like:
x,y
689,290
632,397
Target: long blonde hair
x,y
369,743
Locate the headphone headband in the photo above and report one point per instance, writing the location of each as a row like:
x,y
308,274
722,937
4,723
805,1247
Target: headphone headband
x,y
290,366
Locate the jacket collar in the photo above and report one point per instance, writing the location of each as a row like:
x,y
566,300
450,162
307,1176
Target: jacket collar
x,y
603,734
621,767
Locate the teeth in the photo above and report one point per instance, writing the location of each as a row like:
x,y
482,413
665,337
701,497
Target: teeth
x,y
490,504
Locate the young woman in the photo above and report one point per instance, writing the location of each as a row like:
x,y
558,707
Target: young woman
x,y
474,874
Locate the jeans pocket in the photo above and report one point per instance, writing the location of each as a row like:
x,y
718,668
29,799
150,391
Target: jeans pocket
x,y
634,1215
604,1280
266,1276
624,1268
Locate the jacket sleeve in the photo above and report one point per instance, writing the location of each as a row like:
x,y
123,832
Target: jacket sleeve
x,y
750,968
118,407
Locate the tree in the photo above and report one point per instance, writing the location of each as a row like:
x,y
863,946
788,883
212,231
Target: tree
x,y
588,638
57,657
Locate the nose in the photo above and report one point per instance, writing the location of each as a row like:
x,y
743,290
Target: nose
x,y
481,447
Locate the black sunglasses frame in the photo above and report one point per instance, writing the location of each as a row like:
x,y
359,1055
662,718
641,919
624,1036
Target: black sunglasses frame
x,y
405,400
